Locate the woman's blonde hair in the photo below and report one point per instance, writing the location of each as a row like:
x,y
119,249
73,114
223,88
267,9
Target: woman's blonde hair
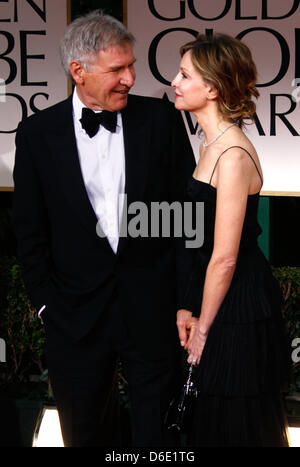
x,y
226,63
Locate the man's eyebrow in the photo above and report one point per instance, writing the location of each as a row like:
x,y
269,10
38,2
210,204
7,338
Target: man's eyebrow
x,y
117,67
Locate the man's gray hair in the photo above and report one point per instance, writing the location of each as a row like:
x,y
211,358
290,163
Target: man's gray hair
x,y
87,35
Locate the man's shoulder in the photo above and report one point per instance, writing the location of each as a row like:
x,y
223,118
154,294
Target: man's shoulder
x,y
48,115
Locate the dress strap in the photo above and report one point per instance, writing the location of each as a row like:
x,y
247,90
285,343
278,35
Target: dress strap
x,y
243,150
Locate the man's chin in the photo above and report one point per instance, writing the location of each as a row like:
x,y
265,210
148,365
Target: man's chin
x,y
119,103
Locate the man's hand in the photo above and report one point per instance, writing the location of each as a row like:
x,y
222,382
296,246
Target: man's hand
x,y
186,325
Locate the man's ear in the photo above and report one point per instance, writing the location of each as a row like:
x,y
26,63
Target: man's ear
x,y
77,71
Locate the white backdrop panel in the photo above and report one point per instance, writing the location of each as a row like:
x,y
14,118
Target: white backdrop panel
x,y
31,77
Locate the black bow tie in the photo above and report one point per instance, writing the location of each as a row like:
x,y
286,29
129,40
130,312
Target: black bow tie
x,y
90,121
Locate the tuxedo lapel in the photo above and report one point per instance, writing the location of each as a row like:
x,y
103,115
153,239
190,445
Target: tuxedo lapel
x,y
137,133
137,137
65,155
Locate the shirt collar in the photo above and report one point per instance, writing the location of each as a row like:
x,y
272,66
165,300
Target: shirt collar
x,y
78,106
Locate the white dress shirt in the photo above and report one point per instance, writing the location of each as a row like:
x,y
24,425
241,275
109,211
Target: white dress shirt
x,y
102,161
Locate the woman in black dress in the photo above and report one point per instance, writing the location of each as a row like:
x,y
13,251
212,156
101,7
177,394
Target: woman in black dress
x,y
233,329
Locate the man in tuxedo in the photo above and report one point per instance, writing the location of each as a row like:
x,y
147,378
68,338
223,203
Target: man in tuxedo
x,y
103,296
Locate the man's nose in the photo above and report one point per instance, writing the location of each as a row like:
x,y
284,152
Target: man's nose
x,y
128,77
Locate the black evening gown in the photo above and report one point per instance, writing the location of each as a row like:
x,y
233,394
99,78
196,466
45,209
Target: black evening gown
x,y
244,364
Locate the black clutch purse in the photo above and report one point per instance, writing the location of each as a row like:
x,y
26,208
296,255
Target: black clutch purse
x,y
180,412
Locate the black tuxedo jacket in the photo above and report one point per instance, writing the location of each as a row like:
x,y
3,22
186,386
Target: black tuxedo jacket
x,y
67,266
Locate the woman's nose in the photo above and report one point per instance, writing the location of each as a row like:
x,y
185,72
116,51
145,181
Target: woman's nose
x,y
174,82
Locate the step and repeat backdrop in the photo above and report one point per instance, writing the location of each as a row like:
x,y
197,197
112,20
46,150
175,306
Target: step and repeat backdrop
x,y
31,77
271,29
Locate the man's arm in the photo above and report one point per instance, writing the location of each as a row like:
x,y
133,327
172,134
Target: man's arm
x,y
182,170
30,221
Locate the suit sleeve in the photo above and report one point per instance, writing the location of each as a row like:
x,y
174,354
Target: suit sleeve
x,y
182,169
30,222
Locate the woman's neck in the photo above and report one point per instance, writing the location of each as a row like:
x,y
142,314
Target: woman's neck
x,y
211,124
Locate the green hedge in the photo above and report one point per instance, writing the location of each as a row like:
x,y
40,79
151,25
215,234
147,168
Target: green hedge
x,y
21,329
289,280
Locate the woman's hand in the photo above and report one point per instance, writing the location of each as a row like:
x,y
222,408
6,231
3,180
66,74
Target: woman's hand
x,y
186,325
196,345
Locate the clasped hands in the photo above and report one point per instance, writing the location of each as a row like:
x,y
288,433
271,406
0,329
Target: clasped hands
x,y
192,338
